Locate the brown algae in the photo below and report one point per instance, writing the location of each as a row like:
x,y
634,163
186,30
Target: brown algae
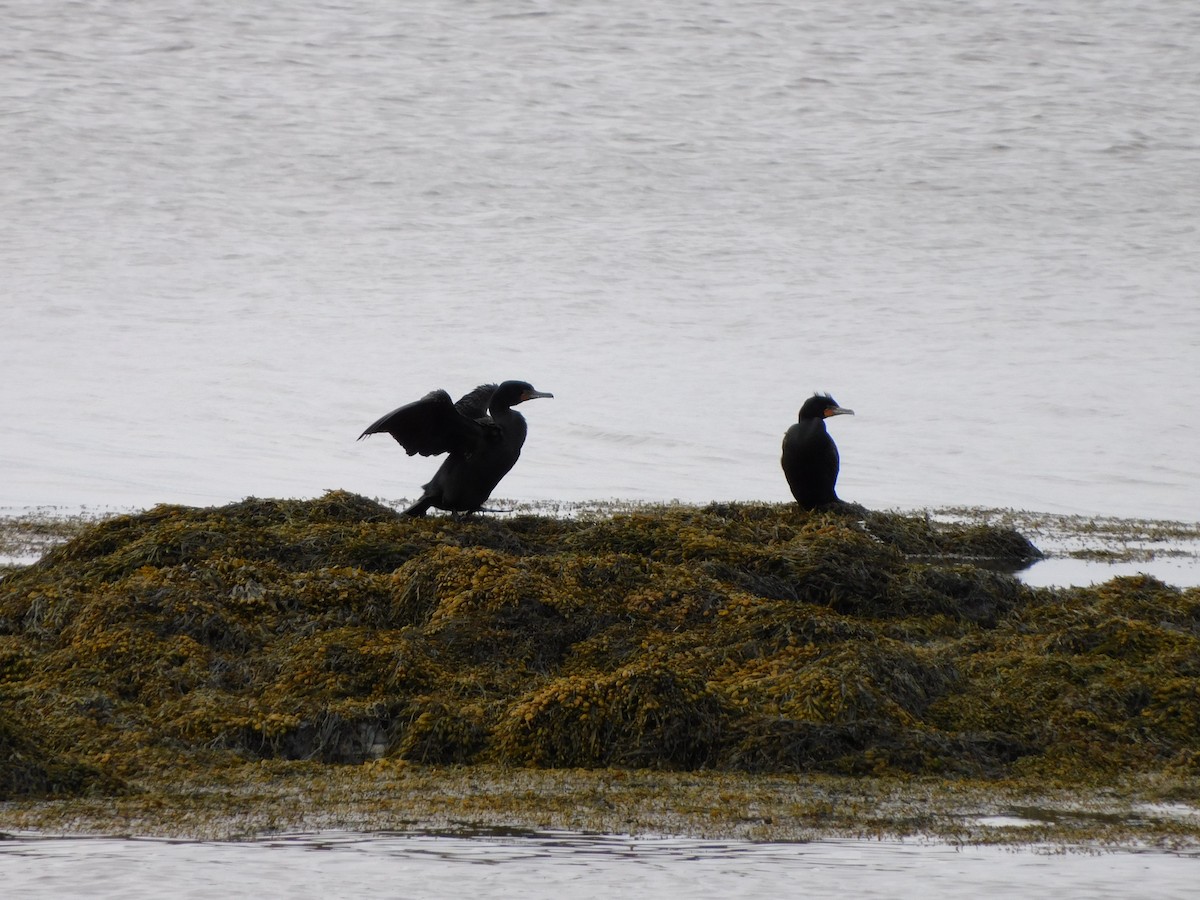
x,y
747,669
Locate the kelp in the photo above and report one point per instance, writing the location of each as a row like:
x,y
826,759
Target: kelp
x,y
29,769
752,638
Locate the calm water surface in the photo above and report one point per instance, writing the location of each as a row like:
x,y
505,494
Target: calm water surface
x,y
233,235
568,866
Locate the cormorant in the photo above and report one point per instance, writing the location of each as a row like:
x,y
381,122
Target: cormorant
x,y
482,433
810,457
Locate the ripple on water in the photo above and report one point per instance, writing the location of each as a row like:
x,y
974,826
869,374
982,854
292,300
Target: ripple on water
x,y
567,866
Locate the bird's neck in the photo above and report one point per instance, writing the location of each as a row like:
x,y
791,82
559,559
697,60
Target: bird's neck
x,y
503,414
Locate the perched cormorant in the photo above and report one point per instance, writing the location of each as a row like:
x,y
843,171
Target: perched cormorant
x,y
810,457
482,433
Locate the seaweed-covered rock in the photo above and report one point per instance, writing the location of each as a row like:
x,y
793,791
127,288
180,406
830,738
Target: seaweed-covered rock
x,y
749,637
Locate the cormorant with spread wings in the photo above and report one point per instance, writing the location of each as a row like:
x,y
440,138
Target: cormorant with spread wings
x,y
482,433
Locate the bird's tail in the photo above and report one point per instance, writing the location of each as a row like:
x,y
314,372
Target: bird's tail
x,y
420,507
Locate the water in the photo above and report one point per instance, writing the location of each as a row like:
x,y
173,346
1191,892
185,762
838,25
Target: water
x,y
1181,571
233,236
572,865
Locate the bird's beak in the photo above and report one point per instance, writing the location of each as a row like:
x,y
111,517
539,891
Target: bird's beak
x,y
838,411
534,395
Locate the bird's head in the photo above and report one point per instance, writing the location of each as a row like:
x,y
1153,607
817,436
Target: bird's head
x,y
510,393
822,406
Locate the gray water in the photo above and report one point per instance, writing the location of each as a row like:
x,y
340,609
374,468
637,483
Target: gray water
x,y
567,866
232,235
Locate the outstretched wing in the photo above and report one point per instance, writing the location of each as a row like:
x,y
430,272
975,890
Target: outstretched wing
x,y
475,404
430,426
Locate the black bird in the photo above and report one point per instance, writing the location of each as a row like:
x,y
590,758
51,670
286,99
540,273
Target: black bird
x,y
810,457
482,433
